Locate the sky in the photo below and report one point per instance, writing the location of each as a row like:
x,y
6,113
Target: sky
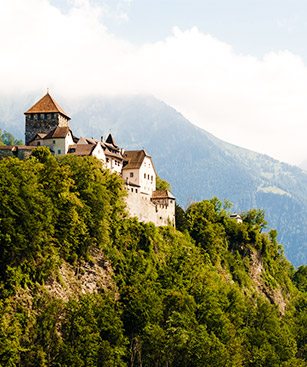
x,y
237,69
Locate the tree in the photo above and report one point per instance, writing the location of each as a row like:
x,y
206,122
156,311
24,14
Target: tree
x,y
255,217
7,138
181,222
162,184
41,153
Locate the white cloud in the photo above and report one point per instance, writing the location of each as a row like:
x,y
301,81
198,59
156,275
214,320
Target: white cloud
x,y
256,103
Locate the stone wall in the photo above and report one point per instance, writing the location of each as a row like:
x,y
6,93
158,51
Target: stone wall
x,y
140,205
19,151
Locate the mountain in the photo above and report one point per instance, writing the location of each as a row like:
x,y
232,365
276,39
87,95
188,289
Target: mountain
x,y
198,165
81,284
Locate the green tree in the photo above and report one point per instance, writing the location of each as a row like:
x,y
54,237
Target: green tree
x,y
43,154
7,138
162,184
181,222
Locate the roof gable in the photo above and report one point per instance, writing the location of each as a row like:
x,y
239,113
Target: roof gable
x,y
133,159
58,132
47,105
81,149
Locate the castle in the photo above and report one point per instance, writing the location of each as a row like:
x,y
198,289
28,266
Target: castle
x,y
46,124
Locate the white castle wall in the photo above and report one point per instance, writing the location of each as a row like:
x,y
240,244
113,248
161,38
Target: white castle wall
x,y
140,205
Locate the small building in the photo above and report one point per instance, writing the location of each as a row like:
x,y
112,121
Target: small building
x,y
107,152
164,202
236,217
57,140
138,170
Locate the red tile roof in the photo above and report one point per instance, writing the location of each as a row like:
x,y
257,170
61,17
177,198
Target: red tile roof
x,y
46,105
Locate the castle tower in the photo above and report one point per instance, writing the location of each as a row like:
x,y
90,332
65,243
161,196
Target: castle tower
x,y
44,116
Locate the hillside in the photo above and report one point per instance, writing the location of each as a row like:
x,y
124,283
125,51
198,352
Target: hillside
x,y
198,165
83,285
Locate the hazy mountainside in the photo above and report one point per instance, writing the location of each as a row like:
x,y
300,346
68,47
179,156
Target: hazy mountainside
x,y
303,164
198,165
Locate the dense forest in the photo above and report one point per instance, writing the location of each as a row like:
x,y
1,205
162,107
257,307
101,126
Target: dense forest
x,y
82,284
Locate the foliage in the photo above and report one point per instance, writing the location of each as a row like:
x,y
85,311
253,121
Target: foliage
x,y
43,154
53,209
162,184
179,298
180,219
7,138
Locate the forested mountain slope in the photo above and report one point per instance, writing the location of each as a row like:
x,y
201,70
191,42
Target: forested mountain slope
x,y
81,284
198,165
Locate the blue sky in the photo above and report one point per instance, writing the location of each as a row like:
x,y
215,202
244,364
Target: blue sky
x,y
235,68
250,26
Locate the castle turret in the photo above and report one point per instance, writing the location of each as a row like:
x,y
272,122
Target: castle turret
x,y
44,116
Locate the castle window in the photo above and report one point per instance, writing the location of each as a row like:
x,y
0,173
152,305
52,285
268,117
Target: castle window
x,y
32,116
144,175
148,177
151,178
52,116
45,116
59,151
38,116
131,189
53,142
38,143
131,174
136,190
